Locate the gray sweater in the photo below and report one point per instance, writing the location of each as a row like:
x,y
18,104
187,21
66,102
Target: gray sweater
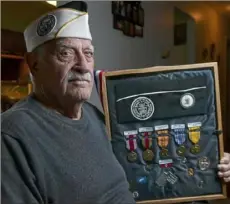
x,y
48,158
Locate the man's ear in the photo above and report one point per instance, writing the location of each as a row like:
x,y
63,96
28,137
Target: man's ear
x,y
31,60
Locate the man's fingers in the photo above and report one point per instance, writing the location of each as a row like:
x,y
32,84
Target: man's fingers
x,y
224,161
223,167
227,179
220,174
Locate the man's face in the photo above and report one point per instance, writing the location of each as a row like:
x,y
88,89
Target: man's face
x,y
65,69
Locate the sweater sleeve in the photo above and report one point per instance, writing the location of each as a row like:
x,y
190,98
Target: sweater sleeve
x,y
18,181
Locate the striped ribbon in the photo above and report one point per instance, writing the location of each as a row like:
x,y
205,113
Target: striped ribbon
x,y
98,82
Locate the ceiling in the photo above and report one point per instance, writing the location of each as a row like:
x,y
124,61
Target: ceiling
x,y
199,8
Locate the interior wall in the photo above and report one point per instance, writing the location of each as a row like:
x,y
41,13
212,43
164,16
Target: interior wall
x,y
184,54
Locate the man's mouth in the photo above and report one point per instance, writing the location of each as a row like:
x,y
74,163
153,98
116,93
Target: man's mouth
x,y
82,79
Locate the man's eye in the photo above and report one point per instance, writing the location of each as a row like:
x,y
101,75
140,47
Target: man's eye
x,y
66,53
89,53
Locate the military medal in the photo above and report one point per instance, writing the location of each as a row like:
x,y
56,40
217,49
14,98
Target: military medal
x,y
194,136
203,163
162,139
146,134
190,171
180,137
131,145
132,156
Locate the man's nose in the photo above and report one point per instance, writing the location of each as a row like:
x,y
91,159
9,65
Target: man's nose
x,y
80,63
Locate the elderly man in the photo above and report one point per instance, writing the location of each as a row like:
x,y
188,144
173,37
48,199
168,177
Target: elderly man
x,y
54,144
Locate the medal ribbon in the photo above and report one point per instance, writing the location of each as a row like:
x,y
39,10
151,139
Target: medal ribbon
x,y
146,142
98,82
194,134
131,143
180,136
163,138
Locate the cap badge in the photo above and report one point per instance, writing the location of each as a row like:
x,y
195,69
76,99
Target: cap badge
x,y
46,25
187,100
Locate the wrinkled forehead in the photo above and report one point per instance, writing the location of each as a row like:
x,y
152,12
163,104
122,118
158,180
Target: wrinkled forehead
x,y
76,43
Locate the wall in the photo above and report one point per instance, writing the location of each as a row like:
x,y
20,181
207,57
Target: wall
x,y
215,31
16,15
184,54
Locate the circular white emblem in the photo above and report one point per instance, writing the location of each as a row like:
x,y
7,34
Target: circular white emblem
x,y
187,100
46,25
142,108
203,163
135,194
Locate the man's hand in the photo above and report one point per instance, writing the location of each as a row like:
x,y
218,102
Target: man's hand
x,y
224,168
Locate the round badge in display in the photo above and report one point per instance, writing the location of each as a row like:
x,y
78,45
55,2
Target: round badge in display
x,y
203,163
135,194
142,108
132,156
187,100
46,25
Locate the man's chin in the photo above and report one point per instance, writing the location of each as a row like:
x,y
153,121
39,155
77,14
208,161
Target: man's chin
x,y
80,96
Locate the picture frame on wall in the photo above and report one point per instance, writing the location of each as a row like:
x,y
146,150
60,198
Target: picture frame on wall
x,y
138,31
180,34
140,16
129,11
135,13
118,22
115,7
128,16
128,28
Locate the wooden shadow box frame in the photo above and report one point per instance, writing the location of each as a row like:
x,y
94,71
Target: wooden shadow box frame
x,y
166,69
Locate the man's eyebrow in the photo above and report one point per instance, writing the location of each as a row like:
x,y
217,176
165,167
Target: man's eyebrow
x,y
91,47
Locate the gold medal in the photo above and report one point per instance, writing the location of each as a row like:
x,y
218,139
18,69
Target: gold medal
x,y
194,136
164,153
163,142
147,144
132,156
195,149
181,150
148,155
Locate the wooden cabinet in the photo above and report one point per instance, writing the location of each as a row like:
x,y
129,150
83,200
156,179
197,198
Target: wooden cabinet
x,y
15,82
